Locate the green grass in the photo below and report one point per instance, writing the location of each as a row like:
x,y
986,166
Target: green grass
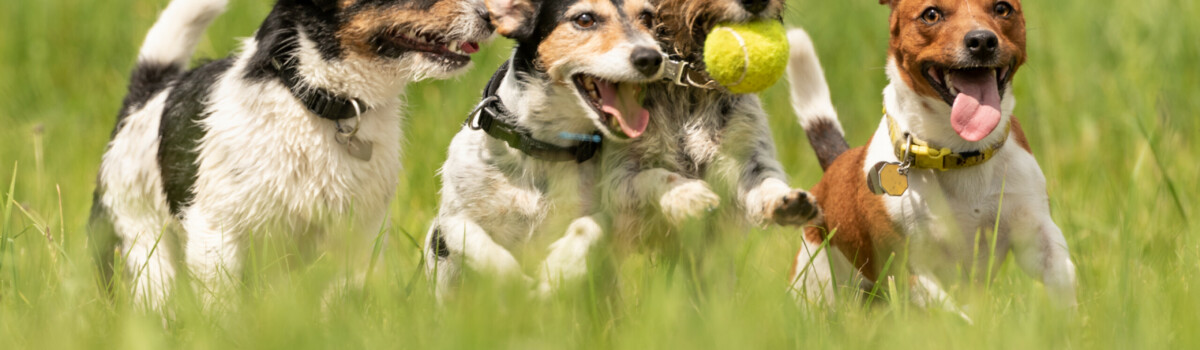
x,y
1108,100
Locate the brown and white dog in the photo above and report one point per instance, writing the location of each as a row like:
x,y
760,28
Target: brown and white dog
x,y
523,169
948,131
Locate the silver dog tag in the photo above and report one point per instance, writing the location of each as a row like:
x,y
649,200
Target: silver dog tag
x,y
358,148
886,177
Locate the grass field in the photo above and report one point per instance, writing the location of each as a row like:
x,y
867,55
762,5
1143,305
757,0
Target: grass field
x,y
1108,100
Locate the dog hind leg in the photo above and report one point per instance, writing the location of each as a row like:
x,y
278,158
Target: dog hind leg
x,y
817,272
148,261
214,255
455,243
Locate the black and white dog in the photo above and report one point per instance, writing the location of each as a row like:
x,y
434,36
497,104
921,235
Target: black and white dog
x,y
298,132
522,169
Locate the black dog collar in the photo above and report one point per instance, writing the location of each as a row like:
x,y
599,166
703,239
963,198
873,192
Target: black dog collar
x,y
491,117
321,102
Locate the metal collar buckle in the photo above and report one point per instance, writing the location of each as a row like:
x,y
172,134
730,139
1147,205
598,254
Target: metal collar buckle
x,y
681,73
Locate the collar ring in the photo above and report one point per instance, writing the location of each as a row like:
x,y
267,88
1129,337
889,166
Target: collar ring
x,y
350,131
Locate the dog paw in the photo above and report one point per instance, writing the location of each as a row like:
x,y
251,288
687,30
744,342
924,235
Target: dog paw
x,y
795,209
688,200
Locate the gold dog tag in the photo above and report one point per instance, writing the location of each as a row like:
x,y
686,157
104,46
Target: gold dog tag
x,y
886,178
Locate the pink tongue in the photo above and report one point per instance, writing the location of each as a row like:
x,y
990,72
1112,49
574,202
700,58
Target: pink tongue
x,y
976,110
622,103
469,48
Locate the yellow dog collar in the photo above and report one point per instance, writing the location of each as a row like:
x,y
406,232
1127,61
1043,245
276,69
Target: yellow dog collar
x,y
919,153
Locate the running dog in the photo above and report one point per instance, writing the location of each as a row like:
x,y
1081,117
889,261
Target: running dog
x,y
523,167
947,165
703,145
298,132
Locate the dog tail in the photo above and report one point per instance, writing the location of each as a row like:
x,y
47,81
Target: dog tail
x,y
169,45
811,101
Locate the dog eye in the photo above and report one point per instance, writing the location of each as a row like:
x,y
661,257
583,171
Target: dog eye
x,y
585,20
647,19
931,15
1003,9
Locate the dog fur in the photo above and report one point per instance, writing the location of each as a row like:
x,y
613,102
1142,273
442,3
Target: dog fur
x,y
497,200
224,152
945,217
704,150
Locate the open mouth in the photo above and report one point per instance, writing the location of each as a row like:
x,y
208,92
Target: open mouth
x,y
449,52
619,104
973,94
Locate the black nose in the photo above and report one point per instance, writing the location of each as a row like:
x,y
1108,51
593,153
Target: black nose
x,y
646,60
981,43
755,6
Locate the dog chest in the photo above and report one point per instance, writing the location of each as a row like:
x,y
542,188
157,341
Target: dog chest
x,y
269,154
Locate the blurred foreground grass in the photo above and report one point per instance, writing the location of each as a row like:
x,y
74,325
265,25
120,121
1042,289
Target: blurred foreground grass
x,y
1109,99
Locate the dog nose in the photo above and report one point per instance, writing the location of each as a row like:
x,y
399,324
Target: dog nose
x,y
755,6
646,60
981,43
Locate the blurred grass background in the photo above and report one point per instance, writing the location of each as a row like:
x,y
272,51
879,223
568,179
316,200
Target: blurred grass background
x,y
1108,98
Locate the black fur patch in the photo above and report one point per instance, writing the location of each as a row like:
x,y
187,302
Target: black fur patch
x,y
361,5
437,244
549,15
278,35
319,20
147,79
180,132
827,142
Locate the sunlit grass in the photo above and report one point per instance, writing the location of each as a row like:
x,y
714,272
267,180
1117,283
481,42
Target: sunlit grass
x,y
1108,99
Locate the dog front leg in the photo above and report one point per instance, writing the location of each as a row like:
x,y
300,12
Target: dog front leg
x,y
568,258
457,242
763,190
1041,250
926,292
677,197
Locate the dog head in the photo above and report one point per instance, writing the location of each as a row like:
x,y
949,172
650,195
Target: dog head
x,y
683,25
597,53
392,39
962,52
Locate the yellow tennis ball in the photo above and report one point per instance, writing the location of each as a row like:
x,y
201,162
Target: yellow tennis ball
x,y
746,57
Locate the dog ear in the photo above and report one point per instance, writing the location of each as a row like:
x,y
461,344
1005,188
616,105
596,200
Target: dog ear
x,y
513,18
890,3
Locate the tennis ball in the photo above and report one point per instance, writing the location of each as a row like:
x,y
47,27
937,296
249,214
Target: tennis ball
x,y
746,57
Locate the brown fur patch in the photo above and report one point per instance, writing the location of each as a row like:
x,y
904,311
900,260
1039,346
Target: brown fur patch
x,y
511,17
359,31
568,44
684,24
915,43
1019,135
864,231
